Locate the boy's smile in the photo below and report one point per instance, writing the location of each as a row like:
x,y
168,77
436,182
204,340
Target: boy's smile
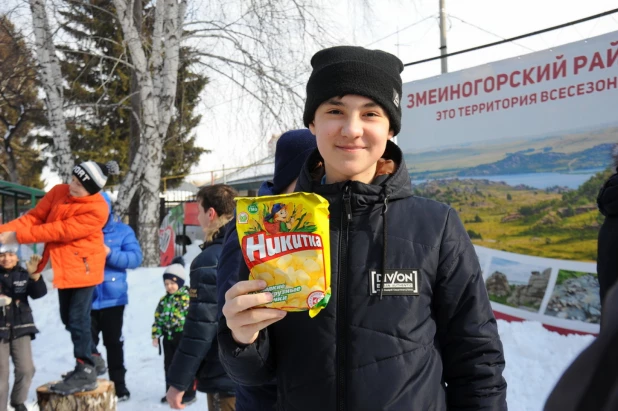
x,y
351,133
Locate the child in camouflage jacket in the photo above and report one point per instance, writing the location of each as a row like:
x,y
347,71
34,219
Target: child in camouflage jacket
x,y
170,315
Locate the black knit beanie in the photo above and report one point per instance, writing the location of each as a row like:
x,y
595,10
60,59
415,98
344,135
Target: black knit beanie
x,y
343,70
93,176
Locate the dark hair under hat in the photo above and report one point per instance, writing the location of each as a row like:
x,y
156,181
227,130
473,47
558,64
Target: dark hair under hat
x,y
343,70
293,148
93,175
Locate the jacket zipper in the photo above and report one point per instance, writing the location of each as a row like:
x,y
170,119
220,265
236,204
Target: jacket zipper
x,y
342,300
87,265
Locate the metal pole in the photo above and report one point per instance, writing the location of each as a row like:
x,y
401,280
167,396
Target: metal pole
x,y
443,50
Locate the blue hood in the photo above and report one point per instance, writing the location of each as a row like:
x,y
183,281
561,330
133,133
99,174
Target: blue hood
x,y
110,218
266,189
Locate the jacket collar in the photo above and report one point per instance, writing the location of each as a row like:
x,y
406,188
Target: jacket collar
x,y
93,198
17,269
395,184
217,239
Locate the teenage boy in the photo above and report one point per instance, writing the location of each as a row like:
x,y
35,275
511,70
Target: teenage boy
x,y
69,220
409,325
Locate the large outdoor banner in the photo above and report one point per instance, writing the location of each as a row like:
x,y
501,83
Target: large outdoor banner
x,y
520,148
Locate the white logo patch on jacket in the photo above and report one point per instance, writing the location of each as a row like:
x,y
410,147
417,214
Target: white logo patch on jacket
x,y
396,282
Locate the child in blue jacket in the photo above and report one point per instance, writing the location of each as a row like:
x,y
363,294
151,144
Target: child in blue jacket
x,y
110,297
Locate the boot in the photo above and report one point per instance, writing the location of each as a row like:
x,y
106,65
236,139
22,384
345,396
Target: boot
x,y
82,378
122,393
99,364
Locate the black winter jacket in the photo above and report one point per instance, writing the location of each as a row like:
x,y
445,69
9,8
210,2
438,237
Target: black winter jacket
x,y
607,261
16,318
197,354
436,347
591,381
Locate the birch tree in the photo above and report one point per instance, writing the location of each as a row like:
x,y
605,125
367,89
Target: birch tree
x,y
51,79
156,78
99,115
259,47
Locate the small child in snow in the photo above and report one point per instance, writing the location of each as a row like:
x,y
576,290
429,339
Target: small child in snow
x,y
170,318
16,323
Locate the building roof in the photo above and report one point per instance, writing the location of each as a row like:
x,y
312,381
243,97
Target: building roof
x,y
250,177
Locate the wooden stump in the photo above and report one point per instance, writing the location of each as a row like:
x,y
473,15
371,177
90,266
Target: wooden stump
x,y
101,399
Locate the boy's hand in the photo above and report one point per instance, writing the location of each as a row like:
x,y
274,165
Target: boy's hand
x,y
155,342
33,263
174,398
243,319
8,237
107,250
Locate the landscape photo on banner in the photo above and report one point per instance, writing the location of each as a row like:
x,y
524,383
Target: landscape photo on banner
x,y
520,148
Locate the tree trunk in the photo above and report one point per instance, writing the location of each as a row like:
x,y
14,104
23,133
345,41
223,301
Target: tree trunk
x,y
101,399
51,79
157,81
150,117
12,163
136,120
150,206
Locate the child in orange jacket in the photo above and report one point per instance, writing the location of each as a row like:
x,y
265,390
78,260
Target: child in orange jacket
x,y
69,220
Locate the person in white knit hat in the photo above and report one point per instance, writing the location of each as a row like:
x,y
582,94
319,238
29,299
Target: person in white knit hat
x,y
169,319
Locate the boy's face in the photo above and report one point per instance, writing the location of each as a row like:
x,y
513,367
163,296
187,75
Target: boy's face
x,y
170,286
76,189
351,133
8,260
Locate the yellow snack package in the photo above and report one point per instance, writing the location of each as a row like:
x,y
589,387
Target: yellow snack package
x,y
285,241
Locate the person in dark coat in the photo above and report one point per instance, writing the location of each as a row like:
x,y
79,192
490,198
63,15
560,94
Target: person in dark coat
x,y
197,354
427,342
111,296
17,327
591,381
607,261
293,148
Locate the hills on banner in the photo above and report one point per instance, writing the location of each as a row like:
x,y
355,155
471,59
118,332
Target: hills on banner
x,y
554,222
563,153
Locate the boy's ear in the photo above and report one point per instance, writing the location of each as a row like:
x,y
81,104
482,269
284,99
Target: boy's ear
x,y
212,213
312,128
391,134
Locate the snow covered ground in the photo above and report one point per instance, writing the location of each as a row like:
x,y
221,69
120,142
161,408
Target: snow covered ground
x,y
535,357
